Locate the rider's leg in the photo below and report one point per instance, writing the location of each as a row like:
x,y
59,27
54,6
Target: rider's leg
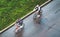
x,y
17,28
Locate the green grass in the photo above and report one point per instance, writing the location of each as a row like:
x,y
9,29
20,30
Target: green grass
x,y
10,10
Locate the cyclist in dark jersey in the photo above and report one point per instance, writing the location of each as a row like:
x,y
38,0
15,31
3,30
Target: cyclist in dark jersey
x,y
37,14
19,25
20,22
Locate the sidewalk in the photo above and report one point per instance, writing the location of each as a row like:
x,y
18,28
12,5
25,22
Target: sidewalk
x,y
49,27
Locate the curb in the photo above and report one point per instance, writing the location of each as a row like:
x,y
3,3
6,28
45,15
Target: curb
x,y
25,16
45,3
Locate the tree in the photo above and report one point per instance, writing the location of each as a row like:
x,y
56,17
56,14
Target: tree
x,y
32,0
